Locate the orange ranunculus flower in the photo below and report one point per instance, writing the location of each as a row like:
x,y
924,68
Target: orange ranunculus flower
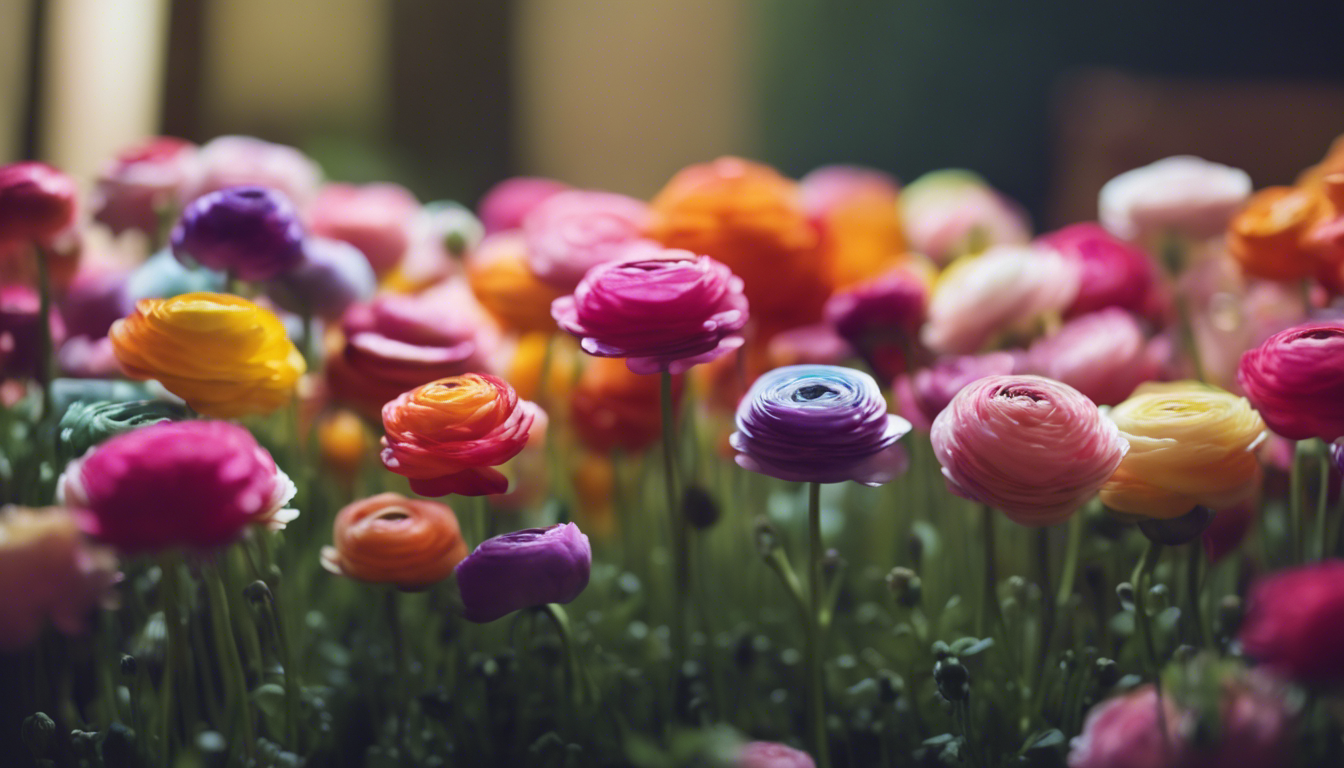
x,y
524,371
595,483
448,435
344,441
499,276
749,217
1266,235
390,539
222,354
856,211
614,408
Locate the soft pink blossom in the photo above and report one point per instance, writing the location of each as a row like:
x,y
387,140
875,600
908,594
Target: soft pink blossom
x,y
1182,195
375,218
507,203
236,161
573,231
1104,355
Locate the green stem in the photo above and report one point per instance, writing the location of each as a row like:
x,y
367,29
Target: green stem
x,y
1194,607
991,585
816,690
580,685
291,662
1295,501
391,604
168,588
1070,571
1322,499
235,679
1143,573
45,361
681,574
1047,604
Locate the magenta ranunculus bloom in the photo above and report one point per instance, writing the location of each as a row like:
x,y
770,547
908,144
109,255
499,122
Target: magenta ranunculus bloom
x,y
1033,448
922,395
507,203
251,232
880,318
332,276
524,569
95,299
661,310
36,201
1294,623
769,754
819,424
1104,355
375,218
143,182
573,231
187,484
20,313
1114,273
1296,381
237,161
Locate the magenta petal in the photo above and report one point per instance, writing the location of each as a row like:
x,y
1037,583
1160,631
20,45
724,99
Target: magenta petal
x,y
481,481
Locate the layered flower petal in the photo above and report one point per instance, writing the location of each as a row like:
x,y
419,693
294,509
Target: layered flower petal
x,y
390,539
523,569
1296,381
1182,195
573,231
252,233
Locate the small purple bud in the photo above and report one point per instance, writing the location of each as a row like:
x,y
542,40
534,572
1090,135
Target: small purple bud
x,y
332,276
523,569
251,232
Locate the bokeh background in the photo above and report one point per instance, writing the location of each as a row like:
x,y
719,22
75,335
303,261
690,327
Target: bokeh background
x,y
1046,98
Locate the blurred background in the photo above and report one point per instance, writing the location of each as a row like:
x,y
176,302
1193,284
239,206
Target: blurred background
x,y
1048,99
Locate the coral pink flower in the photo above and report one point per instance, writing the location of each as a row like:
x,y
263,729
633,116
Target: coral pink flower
x,y
1296,381
50,572
661,310
573,231
142,183
37,202
1114,272
238,161
190,484
375,218
922,395
1183,195
507,203
769,754
1104,355
1034,448
1294,623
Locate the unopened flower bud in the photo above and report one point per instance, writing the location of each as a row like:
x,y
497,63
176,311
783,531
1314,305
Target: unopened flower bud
x,y
1177,530
128,665
905,586
699,507
953,679
1125,591
1108,673
767,538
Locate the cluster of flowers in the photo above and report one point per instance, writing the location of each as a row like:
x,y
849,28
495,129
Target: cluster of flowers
x,y
1046,372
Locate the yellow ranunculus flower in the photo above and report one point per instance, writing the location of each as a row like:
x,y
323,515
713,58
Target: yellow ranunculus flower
x,y
224,355
1189,444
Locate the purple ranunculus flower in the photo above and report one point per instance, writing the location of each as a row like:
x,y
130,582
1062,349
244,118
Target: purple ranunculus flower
x,y
819,424
332,276
524,569
252,232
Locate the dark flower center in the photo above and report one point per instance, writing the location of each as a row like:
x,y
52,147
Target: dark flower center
x,y
812,392
1036,397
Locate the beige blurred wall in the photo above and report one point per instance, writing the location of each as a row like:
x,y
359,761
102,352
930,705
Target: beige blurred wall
x,y
620,95
15,19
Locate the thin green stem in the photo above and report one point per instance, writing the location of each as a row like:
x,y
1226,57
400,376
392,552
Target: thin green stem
x,y
581,688
1070,571
391,605
1143,574
1295,500
235,679
1194,607
45,351
681,573
816,690
168,589
1322,499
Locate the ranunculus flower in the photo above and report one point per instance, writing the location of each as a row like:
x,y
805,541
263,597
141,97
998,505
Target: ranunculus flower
x,y
504,284
951,213
816,344
396,342
238,161
1253,730
922,395
1181,195
375,218
188,484
507,204
769,754
573,231
37,202
880,318
1114,273
523,569
1104,355
529,357
819,424
86,424
613,407
1190,445
390,539
749,217
252,233
448,435
86,357
1266,236
855,209
20,318
344,441
145,181
162,277
1005,290
51,573
659,309
1227,530
222,354
332,276
95,299
1296,381
1033,448
1294,623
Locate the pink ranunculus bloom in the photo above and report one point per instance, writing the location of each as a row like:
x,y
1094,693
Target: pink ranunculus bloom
x,y
1294,623
142,183
20,313
573,231
239,161
1114,273
1104,355
51,573
769,754
1296,381
375,218
824,188
1182,195
880,318
1033,448
37,202
1008,289
188,484
88,357
660,309
922,395
951,213
507,204
808,345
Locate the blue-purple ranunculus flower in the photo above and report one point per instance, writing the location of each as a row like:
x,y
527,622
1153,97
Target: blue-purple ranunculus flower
x,y
819,424
523,569
253,233
332,276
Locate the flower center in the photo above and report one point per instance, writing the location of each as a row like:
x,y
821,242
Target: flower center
x,y
812,392
1035,397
